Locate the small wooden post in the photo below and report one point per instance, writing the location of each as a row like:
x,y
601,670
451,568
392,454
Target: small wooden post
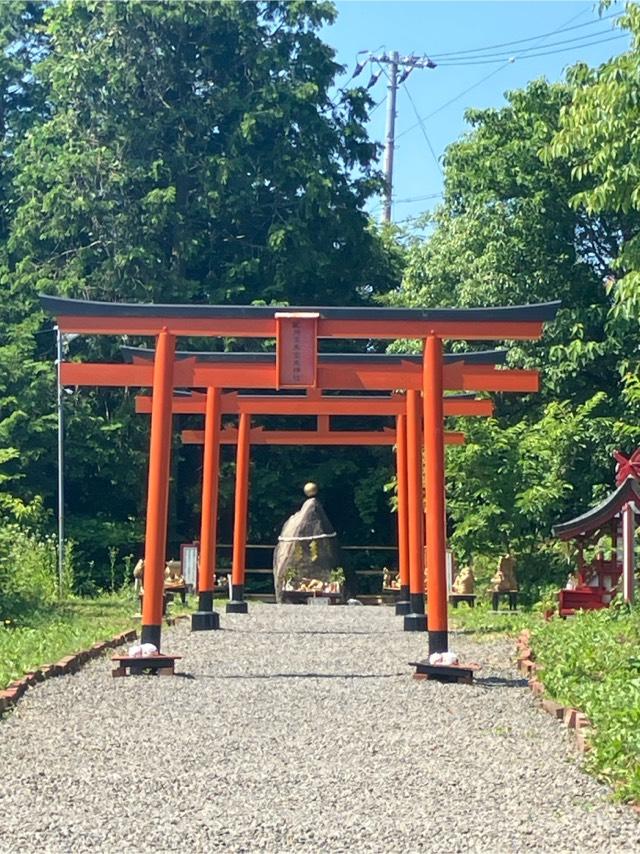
x,y
629,554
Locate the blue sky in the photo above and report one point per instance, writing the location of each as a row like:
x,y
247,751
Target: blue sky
x,y
438,27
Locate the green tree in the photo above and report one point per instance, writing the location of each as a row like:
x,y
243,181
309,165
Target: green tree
x,y
194,154
506,233
598,136
189,152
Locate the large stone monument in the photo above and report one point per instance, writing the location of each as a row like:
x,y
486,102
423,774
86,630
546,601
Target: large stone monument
x,y
307,554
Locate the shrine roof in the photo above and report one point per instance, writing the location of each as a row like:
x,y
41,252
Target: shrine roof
x,y
593,519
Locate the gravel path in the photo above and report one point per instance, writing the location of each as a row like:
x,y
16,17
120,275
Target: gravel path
x,y
298,729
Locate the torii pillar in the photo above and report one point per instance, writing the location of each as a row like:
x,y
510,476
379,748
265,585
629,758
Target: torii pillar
x,y
158,492
403,604
206,618
434,483
415,621
237,605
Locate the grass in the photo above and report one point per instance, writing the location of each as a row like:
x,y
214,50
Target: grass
x,y
592,662
483,620
43,637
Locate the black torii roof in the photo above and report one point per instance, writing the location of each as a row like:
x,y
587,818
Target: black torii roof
x,y
593,519
61,306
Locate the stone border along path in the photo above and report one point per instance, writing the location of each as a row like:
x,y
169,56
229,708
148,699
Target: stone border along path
x,y
298,729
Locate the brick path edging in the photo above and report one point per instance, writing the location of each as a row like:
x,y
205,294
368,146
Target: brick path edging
x,y
575,720
10,696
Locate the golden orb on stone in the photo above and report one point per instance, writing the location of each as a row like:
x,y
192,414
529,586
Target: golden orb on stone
x,y
310,489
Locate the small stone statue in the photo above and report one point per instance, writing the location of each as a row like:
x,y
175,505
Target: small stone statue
x,y
505,578
465,581
138,573
390,580
173,573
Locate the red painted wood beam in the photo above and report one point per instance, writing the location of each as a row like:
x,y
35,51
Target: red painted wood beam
x,y
259,436
233,404
472,330
404,375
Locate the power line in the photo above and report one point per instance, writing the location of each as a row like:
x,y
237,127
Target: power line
x,y
417,198
562,29
423,128
454,99
479,82
526,55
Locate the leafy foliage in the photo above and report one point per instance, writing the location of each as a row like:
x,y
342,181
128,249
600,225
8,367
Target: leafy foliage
x,y
183,152
598,136
506,233
591,663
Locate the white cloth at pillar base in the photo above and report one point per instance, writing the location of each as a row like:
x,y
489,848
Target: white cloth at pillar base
x,y
307,549
444,659
142,650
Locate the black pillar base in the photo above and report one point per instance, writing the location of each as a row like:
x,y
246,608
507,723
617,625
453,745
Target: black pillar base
x,y
235,607
403,606
415,623
205,600
203,621
151,634
438,642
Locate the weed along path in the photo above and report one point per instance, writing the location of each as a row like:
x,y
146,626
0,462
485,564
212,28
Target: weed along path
x,y
298,729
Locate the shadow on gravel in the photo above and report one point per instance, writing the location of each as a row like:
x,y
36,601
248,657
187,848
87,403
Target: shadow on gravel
x,y
500,682
251,631
302,675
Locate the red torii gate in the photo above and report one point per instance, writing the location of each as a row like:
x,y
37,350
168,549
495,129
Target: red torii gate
x,y
320,436
411,601
313,403
298,365
368,366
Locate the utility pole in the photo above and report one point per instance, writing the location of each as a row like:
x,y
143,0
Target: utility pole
x,y
61,343
390,135
405,65
59,354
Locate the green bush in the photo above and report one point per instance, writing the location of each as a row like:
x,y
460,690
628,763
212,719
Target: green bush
x,y
29,571
591,662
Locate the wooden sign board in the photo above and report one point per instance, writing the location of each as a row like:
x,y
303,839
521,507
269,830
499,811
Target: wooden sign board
x,y
189,564
296,349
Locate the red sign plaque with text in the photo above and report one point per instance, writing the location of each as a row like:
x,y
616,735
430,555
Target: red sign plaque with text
x,y
296,349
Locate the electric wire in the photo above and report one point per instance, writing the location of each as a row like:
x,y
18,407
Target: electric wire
x,y
455,98
423,128
522,56
562,29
